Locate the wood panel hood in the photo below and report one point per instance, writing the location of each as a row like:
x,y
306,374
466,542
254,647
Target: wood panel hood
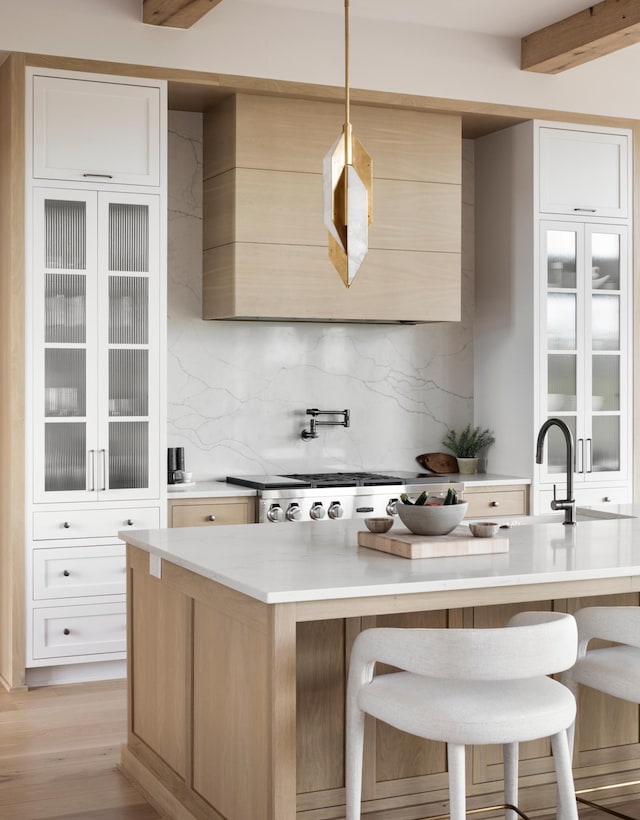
x,y
265,245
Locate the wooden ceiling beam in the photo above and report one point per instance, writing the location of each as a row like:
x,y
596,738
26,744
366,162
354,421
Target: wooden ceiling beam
x,y
598,30
175,13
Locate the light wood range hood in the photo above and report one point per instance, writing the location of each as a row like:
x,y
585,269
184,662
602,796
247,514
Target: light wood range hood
x,y
265,245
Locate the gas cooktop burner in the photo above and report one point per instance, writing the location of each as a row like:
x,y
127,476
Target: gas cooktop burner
x,y
336,479
347,479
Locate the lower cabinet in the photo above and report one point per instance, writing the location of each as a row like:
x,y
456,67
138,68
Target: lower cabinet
x,y
498,500
207,512
77,584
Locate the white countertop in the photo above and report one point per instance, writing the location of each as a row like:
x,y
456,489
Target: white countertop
x,y
309,561
212,488
208,489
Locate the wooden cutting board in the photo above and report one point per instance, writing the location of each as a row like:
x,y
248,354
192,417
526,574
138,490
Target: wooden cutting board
x,y
438,462
405,544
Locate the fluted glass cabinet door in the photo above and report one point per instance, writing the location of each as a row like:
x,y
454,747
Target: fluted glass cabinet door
x,y
64,286
584,355
129,356
96,326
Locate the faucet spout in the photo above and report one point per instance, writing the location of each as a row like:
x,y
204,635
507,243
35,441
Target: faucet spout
x,y
567,504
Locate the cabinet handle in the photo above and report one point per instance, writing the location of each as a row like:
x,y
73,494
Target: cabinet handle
x,y
579,465
494,504
585,210
66,525
92,470
589,456
607,499
103,458
211,517
100,176
66,631
66,573
130,522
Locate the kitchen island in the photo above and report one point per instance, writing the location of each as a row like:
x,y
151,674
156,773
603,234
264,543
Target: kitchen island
x,y
239,639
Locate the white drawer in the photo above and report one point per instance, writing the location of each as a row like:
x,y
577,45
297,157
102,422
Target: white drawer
x,y
65,524
64,631
586,496
74,572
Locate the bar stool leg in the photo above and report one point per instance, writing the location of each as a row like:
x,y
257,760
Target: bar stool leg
x,y
457,784
567,808
354,753
510,759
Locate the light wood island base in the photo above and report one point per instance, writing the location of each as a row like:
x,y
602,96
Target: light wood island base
x,y
236,707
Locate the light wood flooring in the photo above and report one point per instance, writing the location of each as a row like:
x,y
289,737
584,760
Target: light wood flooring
x,y
59,747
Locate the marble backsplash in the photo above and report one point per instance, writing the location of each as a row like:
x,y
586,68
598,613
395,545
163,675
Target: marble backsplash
x,y
238,391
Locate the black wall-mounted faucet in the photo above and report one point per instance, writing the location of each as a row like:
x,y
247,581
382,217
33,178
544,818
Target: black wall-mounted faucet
x,y
312,432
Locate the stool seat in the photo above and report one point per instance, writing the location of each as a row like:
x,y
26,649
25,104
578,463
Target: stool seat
x,y
469,712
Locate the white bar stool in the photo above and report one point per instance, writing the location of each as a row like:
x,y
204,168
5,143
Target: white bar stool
x,y
466,687
614,670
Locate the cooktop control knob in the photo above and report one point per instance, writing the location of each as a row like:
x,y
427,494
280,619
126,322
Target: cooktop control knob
x,y
391,506
317,511
335,510
275,513
294,513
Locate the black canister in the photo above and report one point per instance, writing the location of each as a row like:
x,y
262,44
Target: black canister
x,y
180,459
172,463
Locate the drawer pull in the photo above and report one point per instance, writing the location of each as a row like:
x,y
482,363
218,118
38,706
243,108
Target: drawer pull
x,y
66,525
130,522
211,517
494,504
66,631
66,573
607,499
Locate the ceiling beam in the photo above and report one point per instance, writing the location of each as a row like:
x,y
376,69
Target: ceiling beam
x,y
175,13
598,30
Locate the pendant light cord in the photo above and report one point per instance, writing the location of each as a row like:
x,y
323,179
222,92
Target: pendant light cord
x,y
347,124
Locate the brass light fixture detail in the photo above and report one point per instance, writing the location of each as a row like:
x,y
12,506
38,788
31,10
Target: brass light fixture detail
x,y
347,181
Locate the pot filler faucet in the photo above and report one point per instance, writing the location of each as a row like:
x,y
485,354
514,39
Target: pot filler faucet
x,y
312,432
567,504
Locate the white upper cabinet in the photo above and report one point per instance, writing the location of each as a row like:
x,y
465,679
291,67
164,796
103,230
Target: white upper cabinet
x,y
96,131
584,173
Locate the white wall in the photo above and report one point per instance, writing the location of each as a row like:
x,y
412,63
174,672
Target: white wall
x,y
238,390
250,39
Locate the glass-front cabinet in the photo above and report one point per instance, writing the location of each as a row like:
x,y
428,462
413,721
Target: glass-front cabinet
x,y
95,345
584,357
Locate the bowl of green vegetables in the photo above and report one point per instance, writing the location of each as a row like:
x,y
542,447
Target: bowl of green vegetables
x,y
431,515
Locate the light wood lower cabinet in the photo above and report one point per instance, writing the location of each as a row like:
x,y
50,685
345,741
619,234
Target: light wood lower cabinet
x,y
207,512
237,706
499,500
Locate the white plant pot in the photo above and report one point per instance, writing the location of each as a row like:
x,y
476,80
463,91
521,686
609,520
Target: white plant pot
x,y
467,466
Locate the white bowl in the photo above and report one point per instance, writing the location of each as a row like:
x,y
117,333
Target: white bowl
x,y
598,283
431,520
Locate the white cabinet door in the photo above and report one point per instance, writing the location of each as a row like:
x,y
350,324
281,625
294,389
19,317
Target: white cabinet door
x,y
96,131
96,358
583,173
584,335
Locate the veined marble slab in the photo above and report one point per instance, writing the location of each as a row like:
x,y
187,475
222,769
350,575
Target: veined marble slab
x,y
311,561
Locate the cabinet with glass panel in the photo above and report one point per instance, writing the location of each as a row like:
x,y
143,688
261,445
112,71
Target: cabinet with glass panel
x,y
553,305
584,339
96,281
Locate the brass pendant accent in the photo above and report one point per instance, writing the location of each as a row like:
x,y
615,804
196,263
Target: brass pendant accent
x,y
347,175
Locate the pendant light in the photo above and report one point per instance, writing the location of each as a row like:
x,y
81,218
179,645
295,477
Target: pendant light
x,y
347,184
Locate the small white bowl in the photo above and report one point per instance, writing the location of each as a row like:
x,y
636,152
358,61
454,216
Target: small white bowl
x,y
378,524
484,529
431,520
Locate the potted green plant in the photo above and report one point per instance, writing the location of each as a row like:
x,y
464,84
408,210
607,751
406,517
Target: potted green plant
x,y
466,445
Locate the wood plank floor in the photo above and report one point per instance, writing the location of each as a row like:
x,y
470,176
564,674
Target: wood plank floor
x,y
59,746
